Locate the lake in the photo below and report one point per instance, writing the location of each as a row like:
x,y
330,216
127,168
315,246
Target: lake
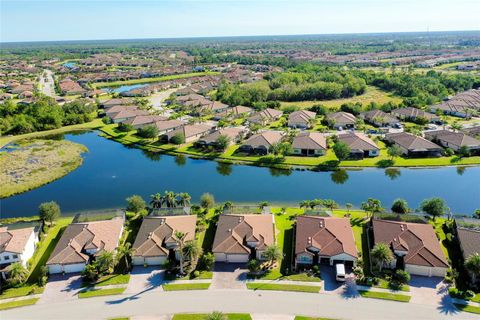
x,y
111,172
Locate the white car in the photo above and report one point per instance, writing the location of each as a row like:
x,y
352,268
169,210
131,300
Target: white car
x,y
340,272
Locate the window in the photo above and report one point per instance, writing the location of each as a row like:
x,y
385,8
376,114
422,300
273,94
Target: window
x,y
7,258
15,256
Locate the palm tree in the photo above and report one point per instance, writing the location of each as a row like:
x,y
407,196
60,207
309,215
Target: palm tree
x,y
305,203
125,251
184,199
227,205
216,315
371,206
381,254
263,204
272,253
170,199
156,200
329,203
17,274
192,250
473,266
105,262
180,239
348,206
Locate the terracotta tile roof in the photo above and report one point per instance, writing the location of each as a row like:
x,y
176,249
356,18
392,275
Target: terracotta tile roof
x,y
265,115
413,113
373,115
358,141
78,237
419,240
233,232
190,130
125,114
342,118
411,142
332,236
168,124
301,116
456,138
310,140
144,119
155,232
267,139
14,240
469,241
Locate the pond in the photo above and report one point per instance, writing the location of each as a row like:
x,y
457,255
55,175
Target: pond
x,y
111,172
125,88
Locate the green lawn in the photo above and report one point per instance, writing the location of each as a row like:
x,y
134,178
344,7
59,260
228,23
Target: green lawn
x,y
21,292
201,316
150,80
302,277
18,303
111,279
471,309
385,285
204,275
100,292
476,298
185,286
45,248
384,296
311,318
282,287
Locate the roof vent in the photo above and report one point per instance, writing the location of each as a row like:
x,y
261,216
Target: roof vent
x,y
162,221
229,230
149,235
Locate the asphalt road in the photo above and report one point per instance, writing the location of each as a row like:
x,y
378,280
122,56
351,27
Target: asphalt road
x,y
156,303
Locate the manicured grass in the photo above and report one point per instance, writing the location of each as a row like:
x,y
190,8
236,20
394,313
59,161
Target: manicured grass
x,y
18,303
476,298
112,279
185,286
283,287
384,296
302,277
76,127
311,318
385,285
204,275
201,316
150,80
100,292
45,248
466,308
21,292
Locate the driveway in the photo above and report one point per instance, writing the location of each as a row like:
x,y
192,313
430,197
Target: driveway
x,y
347,289
229,276
427,290
61,287
144,279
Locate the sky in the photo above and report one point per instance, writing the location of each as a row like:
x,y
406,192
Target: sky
x,y
27,20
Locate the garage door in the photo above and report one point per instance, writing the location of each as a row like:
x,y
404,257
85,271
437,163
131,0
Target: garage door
x,y
418,270
155,261
54,268
70,268
237,258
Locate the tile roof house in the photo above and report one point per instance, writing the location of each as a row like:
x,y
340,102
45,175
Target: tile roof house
x,y
116,102
324,239
309,144
464,104
234,135
238,237
302,119
414,146
265,116
70,87
454,140
16,245
144,120
127,114
360,145
379,118
233,112
156,238
261,143
190,132
342,119
469,241
414,244
414,114
82,242
165,126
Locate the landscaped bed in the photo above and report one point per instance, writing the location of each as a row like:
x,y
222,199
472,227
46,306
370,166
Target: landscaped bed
x,y
283,287
18,303
384,296
201,316
100,292
185,286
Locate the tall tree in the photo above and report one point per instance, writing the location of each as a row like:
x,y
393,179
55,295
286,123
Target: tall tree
x,y
156,201
371,206
434,207
382,255
472,264
184,199
125,251
192,250
49,211
17,274
341,150
135,203
105,262
170,199
400,206
180,239
272,253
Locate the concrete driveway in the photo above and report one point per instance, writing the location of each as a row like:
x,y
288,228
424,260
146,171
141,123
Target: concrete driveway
x,y
144,279
61,287
229,276
347,289
428,290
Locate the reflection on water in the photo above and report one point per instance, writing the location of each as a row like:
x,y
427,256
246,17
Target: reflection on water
x,y
393,173
225,169
339,176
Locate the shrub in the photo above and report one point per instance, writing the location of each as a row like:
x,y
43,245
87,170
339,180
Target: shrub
x,y
135,203
177,139
149,132
123,127
253,265
207,261
207,201
196,274
449,152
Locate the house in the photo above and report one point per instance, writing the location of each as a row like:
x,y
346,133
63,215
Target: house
x,y
143,121
414,245
82,242
70,87
266,116
414,114
107,104
452,108
127,114
214,107
301,119
341,120
190,132
261,143
414,146
326,240
241,237
309,144
16,245
379,118
233,134
472,131
360,145
469,239
156,240
234,112
165,126
454,140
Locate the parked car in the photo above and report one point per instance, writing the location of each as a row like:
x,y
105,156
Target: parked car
x,y
340,272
